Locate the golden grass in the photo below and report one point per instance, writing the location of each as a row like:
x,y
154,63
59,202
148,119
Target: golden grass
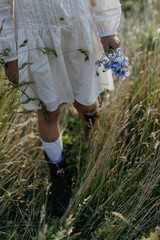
x,y
117,190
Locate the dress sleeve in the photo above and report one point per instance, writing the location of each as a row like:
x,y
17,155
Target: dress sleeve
x,y
106,14
7,31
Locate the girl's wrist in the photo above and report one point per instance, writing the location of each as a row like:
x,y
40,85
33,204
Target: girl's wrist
x,y
110,36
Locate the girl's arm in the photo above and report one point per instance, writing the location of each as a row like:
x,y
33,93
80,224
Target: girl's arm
x,y
7,31
106,14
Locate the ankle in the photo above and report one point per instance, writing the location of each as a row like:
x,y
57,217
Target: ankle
x,y
54,150
94,112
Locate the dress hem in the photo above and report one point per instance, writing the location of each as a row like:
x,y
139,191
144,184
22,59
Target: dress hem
x,y
31,108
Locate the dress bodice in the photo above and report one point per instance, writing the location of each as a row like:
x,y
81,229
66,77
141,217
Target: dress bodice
x,y
40,14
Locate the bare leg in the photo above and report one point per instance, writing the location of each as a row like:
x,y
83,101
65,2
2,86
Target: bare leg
x,y
49,128
85,109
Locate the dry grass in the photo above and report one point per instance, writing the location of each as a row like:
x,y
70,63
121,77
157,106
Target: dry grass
x,y
117,190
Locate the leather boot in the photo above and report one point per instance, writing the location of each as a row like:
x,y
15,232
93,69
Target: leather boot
x,y
61,183
90,119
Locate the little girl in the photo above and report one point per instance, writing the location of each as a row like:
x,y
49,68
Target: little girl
x,y
64,26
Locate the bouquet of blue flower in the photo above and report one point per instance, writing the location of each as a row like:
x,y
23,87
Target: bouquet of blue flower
x,y
114,60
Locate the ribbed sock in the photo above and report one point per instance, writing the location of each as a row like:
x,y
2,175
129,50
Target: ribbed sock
x,y
54,150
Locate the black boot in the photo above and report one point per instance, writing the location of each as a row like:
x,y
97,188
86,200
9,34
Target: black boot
x,y
90,119
61,183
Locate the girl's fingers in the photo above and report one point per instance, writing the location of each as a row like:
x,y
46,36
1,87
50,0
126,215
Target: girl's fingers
x,y
106,48
110,42
115,44
105,44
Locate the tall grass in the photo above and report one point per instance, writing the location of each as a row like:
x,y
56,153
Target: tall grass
x,y
117,191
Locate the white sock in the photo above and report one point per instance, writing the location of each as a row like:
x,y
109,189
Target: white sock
x,y
54,150
92,113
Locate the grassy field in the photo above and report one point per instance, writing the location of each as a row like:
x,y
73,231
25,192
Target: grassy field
x,y
115,165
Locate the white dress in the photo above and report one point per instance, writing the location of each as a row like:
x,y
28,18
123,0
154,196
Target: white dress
x,y
63,26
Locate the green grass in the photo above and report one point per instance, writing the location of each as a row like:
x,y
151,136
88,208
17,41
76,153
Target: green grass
x,y
116,193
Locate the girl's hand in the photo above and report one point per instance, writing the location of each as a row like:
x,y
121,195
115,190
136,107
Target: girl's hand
x,y
11,71
110,42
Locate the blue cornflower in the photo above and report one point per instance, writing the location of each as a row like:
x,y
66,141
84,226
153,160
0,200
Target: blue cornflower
x,y
124,61
118,52
98,63
127,73
121,72
118,72
115,62
107,65
104,61
97,74
111,56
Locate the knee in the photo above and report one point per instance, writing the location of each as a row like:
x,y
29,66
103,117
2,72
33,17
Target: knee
x,y
52,117
85,109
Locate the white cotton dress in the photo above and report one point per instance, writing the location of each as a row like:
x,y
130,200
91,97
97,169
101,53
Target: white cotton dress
x,y
63,26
